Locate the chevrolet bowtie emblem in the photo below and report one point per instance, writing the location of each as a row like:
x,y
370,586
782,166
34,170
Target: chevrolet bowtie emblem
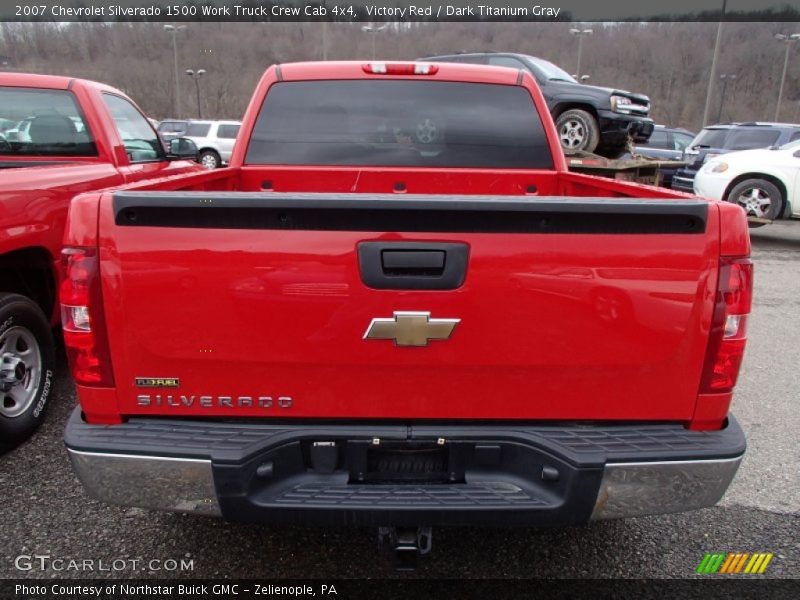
x,y
411,328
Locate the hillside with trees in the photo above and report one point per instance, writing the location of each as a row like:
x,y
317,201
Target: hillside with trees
x,y
668,61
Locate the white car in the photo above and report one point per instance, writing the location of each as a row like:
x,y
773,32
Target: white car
x,y
214,140
765,182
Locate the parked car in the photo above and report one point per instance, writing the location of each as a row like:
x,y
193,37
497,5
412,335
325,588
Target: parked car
x,y
729,137
172,128
66,144
390,312
214,139
588,118
766,182
668,144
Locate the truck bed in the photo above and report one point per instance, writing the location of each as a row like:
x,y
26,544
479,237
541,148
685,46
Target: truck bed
x,y
405,180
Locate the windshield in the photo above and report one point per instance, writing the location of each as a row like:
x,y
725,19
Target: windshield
x,y
552,72
790,145
42,123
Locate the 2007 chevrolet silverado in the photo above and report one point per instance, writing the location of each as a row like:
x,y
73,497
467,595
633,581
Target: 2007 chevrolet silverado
x,y
70,136
398,308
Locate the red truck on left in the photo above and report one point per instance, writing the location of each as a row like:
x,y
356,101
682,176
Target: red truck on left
x,y
59,137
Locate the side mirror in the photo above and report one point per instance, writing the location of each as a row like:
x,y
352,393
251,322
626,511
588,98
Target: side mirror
x,y
796,154
182,148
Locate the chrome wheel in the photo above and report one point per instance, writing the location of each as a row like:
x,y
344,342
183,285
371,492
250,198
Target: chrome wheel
x,y
755,201
20,371
209,161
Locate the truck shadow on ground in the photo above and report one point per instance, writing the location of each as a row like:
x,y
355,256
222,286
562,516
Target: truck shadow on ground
x,y
667,546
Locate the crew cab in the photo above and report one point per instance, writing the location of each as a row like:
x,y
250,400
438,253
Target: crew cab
x,y
398,308
72,136
588,118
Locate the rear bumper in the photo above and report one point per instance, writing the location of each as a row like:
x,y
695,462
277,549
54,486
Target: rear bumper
x,y
491,474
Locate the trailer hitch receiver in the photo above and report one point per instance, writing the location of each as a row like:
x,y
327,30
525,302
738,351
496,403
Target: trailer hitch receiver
x,y
404,545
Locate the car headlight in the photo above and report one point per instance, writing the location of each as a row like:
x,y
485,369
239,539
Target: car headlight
x,y
715,167
621,104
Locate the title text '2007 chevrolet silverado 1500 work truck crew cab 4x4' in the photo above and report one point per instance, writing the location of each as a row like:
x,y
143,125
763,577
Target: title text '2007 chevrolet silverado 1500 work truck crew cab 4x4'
x,y
72,136
348,326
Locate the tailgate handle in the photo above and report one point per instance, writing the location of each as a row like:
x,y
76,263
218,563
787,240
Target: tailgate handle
x,y
413,265
427,263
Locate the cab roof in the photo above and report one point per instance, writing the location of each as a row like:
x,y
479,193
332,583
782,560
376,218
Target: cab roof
x,y
302,71
49,82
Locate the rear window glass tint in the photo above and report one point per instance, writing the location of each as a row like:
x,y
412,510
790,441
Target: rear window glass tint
x,y
198,129
43,123
399,123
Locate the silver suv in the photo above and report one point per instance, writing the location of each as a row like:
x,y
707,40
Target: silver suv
x,y
214,140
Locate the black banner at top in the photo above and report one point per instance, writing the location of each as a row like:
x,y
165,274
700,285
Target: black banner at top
x,y
399,10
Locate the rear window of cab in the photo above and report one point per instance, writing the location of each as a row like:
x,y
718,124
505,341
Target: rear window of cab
x,y
40,122
399,123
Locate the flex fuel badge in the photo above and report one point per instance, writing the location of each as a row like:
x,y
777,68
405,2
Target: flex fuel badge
x,y
157,382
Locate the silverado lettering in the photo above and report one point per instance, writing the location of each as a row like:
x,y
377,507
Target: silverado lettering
x,y
605,321
213,401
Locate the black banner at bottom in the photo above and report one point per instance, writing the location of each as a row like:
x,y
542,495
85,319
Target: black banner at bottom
x,y
387,589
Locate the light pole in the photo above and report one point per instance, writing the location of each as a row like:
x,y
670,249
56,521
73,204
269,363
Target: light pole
x,y
725,79
580,33
713,72
371,29
786,39
324,34
196,75
174,29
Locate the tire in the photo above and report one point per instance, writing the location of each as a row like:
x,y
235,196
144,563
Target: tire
x,y
209,159
758,197
27,365
577,131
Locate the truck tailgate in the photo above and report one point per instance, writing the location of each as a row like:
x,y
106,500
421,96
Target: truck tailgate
x,y
292,305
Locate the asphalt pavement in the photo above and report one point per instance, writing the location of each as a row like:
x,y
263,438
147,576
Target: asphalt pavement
x,y
46,513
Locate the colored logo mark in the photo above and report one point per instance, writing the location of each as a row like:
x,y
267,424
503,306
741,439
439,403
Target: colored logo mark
x,y
734,562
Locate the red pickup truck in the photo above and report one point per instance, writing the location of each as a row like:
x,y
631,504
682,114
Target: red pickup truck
x,y
398,308
61,137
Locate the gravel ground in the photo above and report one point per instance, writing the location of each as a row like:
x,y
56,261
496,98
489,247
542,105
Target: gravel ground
x,y
46,512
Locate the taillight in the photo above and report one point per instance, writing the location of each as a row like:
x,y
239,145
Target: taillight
x,y
82,318
728,335
379,68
